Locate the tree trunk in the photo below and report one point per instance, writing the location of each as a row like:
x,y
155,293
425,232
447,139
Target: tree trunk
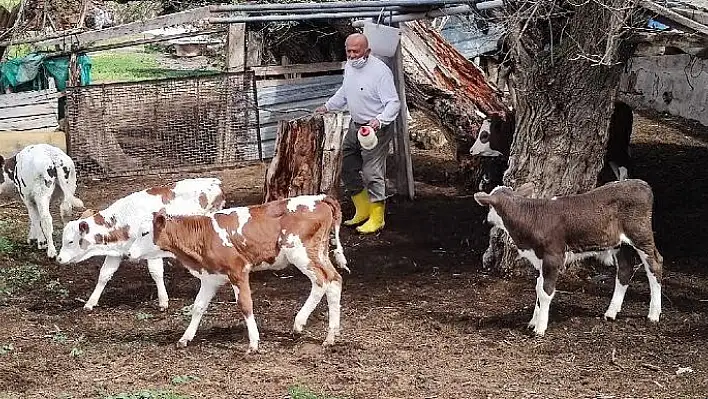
x,y
307,157
563,87
448,88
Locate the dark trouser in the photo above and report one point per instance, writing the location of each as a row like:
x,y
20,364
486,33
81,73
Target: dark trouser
x,y
365,168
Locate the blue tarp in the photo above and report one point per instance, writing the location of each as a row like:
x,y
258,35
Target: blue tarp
x,y
31,72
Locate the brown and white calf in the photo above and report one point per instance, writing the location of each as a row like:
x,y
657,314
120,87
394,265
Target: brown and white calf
x,y
38,173
225,246
111,231
606,222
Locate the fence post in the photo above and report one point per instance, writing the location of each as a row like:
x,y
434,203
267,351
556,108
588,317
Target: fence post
x,y
236,48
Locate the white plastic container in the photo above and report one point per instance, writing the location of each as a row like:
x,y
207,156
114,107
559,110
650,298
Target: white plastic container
x,y
383,40
367,137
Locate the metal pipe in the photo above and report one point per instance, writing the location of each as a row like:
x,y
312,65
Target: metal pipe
x,y
329,5
295,17
432,14
486,5
413,16
329,10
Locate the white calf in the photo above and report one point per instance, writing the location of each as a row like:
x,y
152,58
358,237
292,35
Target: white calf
x,y
36,172
112,231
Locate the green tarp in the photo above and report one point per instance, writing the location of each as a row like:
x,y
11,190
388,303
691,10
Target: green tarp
x,y
31,72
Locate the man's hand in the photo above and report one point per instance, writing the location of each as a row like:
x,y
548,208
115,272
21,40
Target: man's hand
x,y
321,109
375,124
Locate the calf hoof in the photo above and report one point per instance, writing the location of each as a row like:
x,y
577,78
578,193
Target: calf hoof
x,y
298,327
182,343
89,306
653,318
539,332
610,316
41,244
252,351
163,307
51,253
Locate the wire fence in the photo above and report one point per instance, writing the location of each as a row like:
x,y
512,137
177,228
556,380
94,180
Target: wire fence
x,y
165,125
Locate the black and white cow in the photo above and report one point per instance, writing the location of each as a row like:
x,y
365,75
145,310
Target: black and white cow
x,y
39,172
496,135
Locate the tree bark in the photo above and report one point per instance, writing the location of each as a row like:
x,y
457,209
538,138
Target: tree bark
x,y
448,88
563,87
307,157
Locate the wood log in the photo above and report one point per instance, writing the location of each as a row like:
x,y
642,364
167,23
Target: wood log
x,y
307,158
448,88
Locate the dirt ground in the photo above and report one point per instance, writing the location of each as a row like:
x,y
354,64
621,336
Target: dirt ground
x,y
420,319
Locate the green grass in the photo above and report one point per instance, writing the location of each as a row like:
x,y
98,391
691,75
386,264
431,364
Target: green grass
x,y
16,278
6,246
131,66
183,379
301,392
147,394
9,4
18,50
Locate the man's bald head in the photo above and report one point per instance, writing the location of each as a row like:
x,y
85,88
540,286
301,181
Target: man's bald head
x,y
357,46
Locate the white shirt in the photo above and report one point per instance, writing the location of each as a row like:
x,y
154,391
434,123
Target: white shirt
x,y
369,92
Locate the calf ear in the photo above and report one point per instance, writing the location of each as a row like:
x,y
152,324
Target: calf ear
x,y
483,198
88,213
158,222
525,190
83,228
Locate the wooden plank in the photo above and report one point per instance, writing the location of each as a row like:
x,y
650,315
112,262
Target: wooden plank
x,y
271,84
28,123
699,16
274,70
33,37
674,16
28,97
13,141
133,42
236,48
294,95
179,18
254,44
29,110
404,164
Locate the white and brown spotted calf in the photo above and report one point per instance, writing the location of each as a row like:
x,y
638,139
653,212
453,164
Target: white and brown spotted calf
x,y
38,173
225,246
111,232
608,222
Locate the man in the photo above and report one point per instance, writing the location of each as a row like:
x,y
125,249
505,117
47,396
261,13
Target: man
x,y
370,95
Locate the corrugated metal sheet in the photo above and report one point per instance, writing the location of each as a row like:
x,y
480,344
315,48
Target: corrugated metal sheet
x,y
306,93
469,39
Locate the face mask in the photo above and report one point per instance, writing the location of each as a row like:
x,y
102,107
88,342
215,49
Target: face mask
x,y
358,63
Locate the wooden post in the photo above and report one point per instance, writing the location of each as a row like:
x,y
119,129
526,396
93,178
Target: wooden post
x,y
236,48
254,44
401,140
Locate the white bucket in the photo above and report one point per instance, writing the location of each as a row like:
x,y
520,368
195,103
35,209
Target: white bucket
x,y
383,40
367,137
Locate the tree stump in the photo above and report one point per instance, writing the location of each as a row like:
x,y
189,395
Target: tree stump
x,y
307,158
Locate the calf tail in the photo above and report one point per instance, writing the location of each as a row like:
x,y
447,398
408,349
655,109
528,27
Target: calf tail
x,y
339,257
66,177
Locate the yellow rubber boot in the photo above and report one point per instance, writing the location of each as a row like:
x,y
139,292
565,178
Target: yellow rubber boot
x,y
376,219
361,203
